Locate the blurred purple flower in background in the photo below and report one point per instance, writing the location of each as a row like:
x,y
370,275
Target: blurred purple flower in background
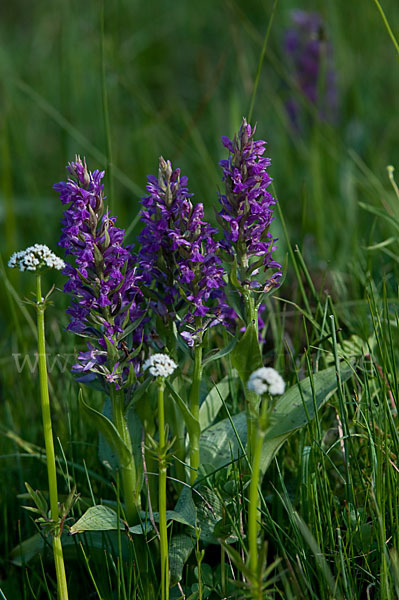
x,y
311,55
103,281
179,255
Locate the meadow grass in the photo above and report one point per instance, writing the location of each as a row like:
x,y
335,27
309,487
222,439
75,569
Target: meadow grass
x,y
122,84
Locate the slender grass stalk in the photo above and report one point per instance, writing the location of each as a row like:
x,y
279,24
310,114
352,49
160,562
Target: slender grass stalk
x,y
104,92
199,555
163,533
253,526
261,59
49,443
194,407
387,26
131,495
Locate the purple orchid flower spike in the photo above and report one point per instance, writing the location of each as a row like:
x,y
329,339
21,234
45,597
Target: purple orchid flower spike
x,y
179,254
247,210
102,280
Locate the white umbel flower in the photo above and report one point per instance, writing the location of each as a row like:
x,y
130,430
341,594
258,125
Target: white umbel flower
x,y
35,258
265,380
160,365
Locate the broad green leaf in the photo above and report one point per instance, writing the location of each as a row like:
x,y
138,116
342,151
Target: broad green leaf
x,y
97,518
209,513
269,450
186,507
299,401
219,444
223,352
213,402
109,431
180,548
246,356
296,405
210,516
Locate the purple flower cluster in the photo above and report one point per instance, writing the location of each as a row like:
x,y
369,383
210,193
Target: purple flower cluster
x,y
247,208
179,253
104,281
178,267
311,55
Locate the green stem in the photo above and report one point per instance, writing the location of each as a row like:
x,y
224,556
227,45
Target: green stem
x,y
49,443
60,568
253,526
194,408
387,26
251,312
251,399
131,495
163,533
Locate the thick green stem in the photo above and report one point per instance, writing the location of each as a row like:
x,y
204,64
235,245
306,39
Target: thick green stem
x,y
49,443
251,399
251,404
253,526
60,568
163,533
251,311
194,408
131,494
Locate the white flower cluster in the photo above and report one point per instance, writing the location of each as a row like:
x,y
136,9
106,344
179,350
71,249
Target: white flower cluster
x,y
160,365
265,380
34,258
